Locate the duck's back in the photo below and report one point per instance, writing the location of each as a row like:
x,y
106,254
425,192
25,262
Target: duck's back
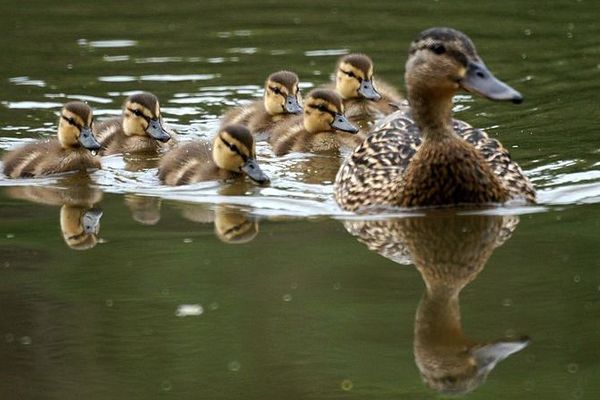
x,y
375,172
189,163
113,139
46,157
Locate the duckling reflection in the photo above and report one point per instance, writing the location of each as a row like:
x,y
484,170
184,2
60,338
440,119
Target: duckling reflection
x,y
232,225
79,218
143,209
449,252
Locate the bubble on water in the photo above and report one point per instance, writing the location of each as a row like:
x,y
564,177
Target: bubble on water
x,y
10,235
337,286
213,306
9,338
507,302
527,32
569,35
347,385
165,292
287,297
234,366
188,240
26,340
294,285
577,278
166,386
189,310
510,333
109,303
573,368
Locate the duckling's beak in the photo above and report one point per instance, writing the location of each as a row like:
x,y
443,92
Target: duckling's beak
x,y
91,220
157,131
292,106
341,123
480,80
253,171
368,91
88,140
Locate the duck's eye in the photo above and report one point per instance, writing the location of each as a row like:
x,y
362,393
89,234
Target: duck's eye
x,y
322,108
438,48
275,90
350,74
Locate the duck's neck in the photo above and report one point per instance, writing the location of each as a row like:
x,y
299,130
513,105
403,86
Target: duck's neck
x,y
432,113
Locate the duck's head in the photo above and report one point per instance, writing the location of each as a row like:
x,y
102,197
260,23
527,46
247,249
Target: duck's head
x,y
442,61
141,116
234,150
234,226
281,93
324,111
80,226
354,78
75,126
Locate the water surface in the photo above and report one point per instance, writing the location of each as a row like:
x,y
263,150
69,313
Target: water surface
x,y
233,290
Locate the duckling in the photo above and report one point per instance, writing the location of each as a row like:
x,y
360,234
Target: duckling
x,y
449,251
73,150
422,157
280,102
366,99
233,154
318,130
139,130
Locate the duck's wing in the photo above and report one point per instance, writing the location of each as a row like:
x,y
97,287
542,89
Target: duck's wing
x,y
372,174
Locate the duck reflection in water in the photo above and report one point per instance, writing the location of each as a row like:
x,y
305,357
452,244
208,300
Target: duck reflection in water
x,y
143,209
449,251
79,218
232,225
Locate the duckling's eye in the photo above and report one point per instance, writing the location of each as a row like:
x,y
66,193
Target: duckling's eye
x,y
70,120
322,108
350,74
438,48
275,90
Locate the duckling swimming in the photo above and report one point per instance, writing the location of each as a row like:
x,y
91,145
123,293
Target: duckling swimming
x,y
422,157
233,154
280,102
322,128
73,150
139,130
366,99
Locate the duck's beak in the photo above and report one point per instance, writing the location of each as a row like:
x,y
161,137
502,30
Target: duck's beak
x,y
253,171
341,123
480,80
91,220
368,91
88,140
292,106
157,131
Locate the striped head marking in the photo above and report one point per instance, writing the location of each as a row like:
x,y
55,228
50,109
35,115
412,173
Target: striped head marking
x,y
75,126
282,93
141,116
324,111
354,77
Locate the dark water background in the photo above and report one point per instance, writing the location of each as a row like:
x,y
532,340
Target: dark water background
x,y
301,309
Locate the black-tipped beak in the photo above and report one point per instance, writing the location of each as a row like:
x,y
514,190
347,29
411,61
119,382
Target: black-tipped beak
x,y
254,172
292,106
91,220
368,91
480,80
88,140
157,131
341,123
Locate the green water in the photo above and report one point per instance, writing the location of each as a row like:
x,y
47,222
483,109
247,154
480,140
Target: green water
x,y
306,303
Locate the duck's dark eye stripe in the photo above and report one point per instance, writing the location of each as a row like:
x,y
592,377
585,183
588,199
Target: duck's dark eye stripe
x,y
437,48
322,108
234,148
351,74
275,90
138,113
71,121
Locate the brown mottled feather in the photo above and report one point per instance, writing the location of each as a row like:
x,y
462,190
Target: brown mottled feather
x,y
189,163
113,139
374,175
46,157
